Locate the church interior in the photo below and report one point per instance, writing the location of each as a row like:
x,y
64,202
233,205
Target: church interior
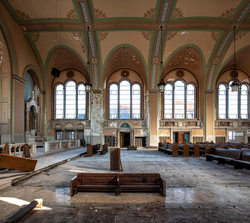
x,y
138,75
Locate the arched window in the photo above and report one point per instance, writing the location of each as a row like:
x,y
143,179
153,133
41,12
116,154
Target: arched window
x,y
124,101
244,101
179,101
59,101
233,105
233,98
113,101
81,102
136,101
70,108
190,101
70,101
222,101
168,101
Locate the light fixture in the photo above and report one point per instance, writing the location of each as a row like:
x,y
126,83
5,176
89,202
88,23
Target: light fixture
x,y
161,84
88,84
235,85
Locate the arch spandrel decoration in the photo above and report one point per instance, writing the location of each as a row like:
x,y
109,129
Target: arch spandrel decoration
x,y
125,125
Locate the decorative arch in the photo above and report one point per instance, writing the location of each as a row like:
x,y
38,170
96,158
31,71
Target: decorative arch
x,y
112,63
82,69
36,76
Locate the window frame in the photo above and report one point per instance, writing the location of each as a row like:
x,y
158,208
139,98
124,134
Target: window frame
x,y
228,88
131,102
76,101
185,101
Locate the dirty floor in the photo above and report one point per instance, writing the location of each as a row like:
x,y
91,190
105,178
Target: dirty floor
x,y
196,191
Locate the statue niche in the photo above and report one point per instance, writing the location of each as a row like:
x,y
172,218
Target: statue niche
x,y
32,111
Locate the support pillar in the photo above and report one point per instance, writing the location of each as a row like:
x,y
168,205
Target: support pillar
x,y
209,126
153,118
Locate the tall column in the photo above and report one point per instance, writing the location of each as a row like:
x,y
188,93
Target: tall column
x,y
96,116
209,124
153,118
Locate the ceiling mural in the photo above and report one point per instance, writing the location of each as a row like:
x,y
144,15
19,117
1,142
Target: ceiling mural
x,y
143,27
205,40
45,41
138,39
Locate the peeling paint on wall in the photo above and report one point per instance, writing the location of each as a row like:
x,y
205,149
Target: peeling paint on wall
x,y
164,132
140,132
114,124
95,114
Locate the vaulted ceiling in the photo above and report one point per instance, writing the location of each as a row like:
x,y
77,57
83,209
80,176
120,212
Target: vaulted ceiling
x,y
138,34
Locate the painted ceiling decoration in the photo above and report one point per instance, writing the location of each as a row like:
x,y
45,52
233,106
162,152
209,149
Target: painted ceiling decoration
x,y
195,34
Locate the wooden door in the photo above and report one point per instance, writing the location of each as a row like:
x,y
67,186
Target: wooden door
x,y
121,139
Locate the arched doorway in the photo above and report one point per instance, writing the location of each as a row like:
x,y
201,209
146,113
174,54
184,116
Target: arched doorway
x,y
32,111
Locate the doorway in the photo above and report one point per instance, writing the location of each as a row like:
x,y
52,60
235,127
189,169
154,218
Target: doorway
x,y
80,134
181,137
124,139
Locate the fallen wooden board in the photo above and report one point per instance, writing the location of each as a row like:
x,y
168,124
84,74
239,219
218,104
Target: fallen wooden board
x,y
17,163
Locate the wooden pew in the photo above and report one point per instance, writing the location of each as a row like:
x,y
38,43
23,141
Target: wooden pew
x,y
243,161
223,155
118,182
104,149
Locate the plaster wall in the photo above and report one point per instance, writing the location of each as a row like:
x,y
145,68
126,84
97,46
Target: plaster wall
x,y
22,47
18,107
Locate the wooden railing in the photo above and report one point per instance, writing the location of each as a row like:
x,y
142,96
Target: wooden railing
x,y
60,144
15,149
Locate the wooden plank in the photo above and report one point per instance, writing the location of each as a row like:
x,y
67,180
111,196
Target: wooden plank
x,y
17,163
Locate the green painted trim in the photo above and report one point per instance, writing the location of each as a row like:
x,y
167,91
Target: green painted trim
x,y
181,47
101,121
114,49
124,18
10,45
36,52
44,19
44,66
66,47
206,66
103,65
197,18
220,65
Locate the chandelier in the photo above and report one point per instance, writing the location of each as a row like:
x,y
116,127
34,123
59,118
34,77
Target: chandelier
x,y
235,85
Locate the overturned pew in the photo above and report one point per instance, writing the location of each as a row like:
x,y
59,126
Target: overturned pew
x,y
118,182
17,163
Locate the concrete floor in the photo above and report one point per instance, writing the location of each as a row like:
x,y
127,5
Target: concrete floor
x,y
197,191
